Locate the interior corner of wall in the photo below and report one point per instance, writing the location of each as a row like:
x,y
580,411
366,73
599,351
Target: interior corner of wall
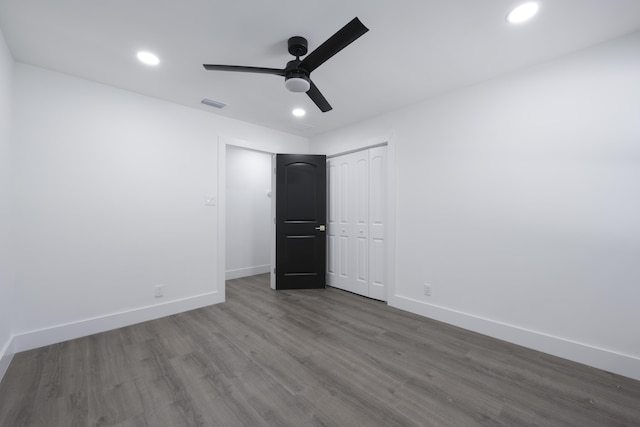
x,y
6,355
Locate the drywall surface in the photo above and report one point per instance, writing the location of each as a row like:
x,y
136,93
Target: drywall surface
x,y
111,202
248,215
517,201
6,236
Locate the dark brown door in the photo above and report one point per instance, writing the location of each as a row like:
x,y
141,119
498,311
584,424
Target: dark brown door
x,y
301,198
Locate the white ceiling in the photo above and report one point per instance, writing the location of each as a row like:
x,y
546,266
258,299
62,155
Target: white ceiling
x,y
414,49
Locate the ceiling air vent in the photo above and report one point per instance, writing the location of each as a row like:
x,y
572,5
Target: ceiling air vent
x,y
212,103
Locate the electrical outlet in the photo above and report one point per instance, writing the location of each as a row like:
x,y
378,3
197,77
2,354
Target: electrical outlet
x,y
159,291
427,289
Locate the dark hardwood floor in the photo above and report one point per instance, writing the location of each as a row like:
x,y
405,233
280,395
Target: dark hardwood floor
x,y
305,358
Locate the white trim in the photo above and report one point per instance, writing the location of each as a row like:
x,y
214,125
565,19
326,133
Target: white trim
x,y
6,355
384,142
622,364
222,217
59,333
272,249
247,271
371,143
391,244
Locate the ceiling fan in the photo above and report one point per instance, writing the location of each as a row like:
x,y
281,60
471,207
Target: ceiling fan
x,y
297,72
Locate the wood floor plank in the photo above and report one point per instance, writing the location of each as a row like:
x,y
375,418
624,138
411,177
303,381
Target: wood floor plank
x,y
113,404
321,357
19,388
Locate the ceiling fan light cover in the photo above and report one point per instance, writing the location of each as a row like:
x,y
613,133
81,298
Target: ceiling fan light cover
x,y
297,84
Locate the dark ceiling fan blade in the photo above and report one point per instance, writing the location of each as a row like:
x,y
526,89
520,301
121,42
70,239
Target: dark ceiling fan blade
x,y
318,98
260,70
334,44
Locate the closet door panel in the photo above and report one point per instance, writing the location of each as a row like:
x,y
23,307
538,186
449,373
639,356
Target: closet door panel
x,y
331,223
345,247
360,225
377,211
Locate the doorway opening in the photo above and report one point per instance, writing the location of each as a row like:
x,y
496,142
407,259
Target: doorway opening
x,y
248,228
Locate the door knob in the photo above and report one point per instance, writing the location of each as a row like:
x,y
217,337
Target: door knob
x,y
321,228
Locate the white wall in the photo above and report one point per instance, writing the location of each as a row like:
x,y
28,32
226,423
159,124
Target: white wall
x,y
248,212
517,200
6,238
110,199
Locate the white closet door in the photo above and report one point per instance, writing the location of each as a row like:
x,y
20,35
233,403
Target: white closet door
x,y
358,201
356,249
332,218
340,270
377,216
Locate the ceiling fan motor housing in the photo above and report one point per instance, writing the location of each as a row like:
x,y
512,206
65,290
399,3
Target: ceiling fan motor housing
x,y
296,79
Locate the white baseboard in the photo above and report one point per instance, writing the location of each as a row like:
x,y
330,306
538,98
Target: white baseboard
x,y
622,364
6,355
249,271
38,338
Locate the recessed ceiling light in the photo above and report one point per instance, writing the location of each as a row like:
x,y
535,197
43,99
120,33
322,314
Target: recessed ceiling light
x,y
523,13
298,112
148,58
